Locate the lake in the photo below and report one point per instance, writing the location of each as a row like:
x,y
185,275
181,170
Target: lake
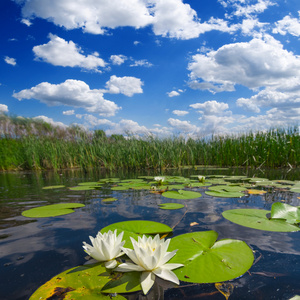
x,y
33,250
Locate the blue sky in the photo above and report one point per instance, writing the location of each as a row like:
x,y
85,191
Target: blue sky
x,y
163,67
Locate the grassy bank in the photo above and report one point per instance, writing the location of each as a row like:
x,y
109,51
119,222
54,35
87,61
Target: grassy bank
x,y
28,144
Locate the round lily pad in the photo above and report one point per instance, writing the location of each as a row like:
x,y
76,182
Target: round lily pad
x,y
53,187
257,219
181,195
137,228
82,188
86,282
207,260
224,194
171,206
109,200
90,183
52,210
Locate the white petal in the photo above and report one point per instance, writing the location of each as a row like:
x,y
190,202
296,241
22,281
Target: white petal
x,y
166,275
131,254
128,267
171,266
105,249
167,257
147,281
110,264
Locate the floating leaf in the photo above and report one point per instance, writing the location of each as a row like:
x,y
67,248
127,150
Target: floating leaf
x,y
109,199
137,228
207,260
287,212
171,206
82,188
90,183
256,192
295,190
224,194
227,188
181,195
83,282
194,224
52,210
257,219
53,187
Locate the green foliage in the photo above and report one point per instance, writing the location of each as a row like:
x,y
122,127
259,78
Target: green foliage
x,y
31,144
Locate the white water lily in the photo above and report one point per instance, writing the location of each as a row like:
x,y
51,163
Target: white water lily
x,y
159,179
201,178
106,247
150,257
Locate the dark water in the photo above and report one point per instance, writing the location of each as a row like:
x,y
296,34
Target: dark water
x,y
32,251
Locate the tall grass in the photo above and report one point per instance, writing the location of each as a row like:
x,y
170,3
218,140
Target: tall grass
x,y
30,144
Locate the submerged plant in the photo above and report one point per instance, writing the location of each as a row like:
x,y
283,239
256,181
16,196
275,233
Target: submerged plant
x,y
150,257
106,247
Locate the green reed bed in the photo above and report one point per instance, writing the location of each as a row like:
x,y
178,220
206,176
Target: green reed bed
x,y
35,145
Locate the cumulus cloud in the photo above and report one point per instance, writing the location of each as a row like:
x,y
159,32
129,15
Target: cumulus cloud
x,y
141,63
173,94
10,60
210,107
59,52
118,59
70,93
126,85
288,25
168,18
50,121
182,126
26,22
180,112
258,63
3,108
69,112
127,126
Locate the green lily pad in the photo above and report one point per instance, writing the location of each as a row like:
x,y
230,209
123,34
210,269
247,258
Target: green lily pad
x,y
83,282
198,184
181,195
171,206
137,228
287,212
52,210
207,260
257,219
109,200
227,188
53,187
295,190
82,188
90,183
224,194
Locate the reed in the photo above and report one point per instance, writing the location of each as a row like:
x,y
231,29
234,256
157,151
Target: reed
x,y
33,145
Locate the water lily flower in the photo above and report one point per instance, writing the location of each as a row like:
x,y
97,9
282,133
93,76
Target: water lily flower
x,y
106,247
159,179
201,178
150,257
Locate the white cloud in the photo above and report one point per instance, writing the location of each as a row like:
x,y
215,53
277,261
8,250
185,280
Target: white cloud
x,y
118,59
26,22
69,112
248,26
10,60
246,8
141,63
288,25
168,18
3,108
94,121
124,85
210,107
180,112
50,121
127,126
182,126
71,93
258,63
173,94
93,16
59,52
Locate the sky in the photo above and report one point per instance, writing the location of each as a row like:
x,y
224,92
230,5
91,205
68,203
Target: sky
x,y
161,67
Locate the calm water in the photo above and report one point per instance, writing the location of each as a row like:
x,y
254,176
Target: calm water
x,y
32,251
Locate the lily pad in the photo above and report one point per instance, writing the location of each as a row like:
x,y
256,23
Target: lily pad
x,y
84,282
256,192
295,190
224,194
82,188
227,188
137,228
52,210
109,200
171,206
257,219
287,212
53,187
207,260
181,195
